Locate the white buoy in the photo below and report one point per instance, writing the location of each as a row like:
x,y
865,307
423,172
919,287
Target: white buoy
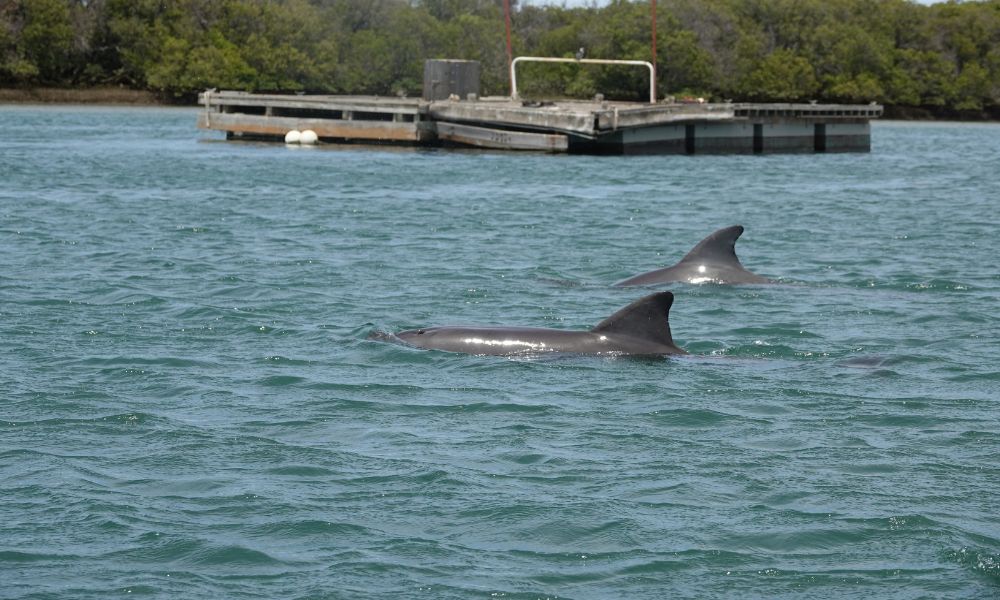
x,y
293,137
309,137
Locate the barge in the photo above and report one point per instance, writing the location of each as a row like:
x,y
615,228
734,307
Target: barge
x,y
511,123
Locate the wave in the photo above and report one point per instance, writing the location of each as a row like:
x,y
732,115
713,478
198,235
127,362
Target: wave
x,y
979,561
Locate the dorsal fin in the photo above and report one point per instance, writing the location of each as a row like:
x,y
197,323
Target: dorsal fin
x,y
717,248
647,318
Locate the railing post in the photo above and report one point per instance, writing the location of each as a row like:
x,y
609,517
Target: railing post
x,y
591,61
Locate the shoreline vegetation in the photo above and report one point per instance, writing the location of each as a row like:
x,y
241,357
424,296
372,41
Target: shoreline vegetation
x,y
93,95
938,61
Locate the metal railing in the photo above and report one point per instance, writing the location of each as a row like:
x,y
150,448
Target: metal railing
x,y
591,61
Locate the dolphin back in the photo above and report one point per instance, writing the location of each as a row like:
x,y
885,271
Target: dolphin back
x,y
647,319
718,248
713,259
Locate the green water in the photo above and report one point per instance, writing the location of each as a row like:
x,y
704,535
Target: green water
x,y
190,406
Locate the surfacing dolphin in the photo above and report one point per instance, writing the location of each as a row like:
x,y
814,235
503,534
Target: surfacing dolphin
x,y
713,260
641,328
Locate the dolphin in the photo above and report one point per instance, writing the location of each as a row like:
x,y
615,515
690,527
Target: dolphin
x,y
641,328
713,260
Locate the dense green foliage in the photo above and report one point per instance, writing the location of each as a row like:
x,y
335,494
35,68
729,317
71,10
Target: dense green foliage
x,y
944,57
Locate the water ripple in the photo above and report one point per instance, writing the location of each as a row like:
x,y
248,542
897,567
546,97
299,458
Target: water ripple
x,y
193,406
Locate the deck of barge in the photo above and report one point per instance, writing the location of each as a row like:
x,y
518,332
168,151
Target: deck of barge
x,y
563,126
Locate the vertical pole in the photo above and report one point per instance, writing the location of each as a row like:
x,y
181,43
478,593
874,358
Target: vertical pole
x,y
510,53
653,9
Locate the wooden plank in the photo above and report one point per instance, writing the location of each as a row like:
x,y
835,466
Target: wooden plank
x,y
573,119
382,131
484,137
611,120
373,104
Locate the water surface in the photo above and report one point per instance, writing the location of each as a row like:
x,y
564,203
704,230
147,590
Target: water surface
x,y
191,406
